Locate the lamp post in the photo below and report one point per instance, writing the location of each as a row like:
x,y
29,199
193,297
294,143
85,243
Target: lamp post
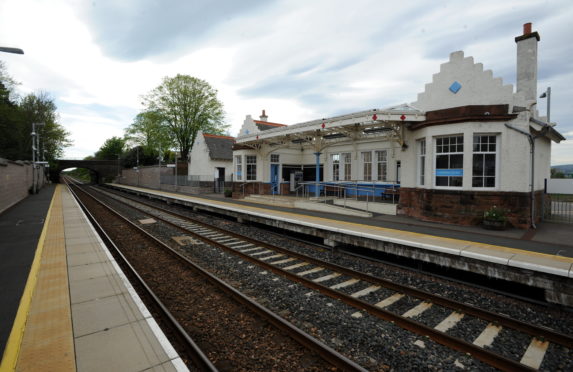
x,y
35,139
11,50
547,94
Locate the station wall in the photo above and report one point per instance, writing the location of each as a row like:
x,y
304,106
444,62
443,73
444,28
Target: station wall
x,y
16,181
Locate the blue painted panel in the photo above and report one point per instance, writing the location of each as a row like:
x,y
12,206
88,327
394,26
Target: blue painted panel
x,y
455,87
449,172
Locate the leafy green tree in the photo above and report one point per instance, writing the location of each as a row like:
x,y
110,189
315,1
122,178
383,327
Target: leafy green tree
x,y
188,105
16,120
40,108
150,131
111,148
138,155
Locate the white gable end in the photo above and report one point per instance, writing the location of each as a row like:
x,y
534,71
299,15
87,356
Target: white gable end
x,y
474,86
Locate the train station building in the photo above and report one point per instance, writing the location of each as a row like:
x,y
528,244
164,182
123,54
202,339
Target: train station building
x,y
468,142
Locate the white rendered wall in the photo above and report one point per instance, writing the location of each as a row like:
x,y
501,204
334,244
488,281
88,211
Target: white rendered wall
x,y
200,163
479,87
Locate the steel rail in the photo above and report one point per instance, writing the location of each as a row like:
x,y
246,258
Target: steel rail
x,y
328,354
506,321
496,360
199,359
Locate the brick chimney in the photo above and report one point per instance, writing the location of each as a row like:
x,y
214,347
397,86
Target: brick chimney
x,y
263,116
527,62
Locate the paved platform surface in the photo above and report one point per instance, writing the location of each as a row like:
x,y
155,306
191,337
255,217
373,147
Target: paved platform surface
x,y
548,249
20,229
78,311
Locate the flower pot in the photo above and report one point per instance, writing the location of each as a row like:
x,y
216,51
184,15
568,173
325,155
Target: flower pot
x,y
494,225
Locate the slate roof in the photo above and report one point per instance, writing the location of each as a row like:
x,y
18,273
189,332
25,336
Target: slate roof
x,y
265,125
220,147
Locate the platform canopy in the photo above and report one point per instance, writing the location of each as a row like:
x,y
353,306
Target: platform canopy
x,y
318,134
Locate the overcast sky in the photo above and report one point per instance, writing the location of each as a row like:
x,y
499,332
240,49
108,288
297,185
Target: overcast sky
x,y
299,60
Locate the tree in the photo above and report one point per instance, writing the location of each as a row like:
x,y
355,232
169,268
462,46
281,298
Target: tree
x,y
188,105
16,120
150,131
40,108
111,148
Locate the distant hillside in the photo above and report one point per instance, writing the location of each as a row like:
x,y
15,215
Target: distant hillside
x,y
567,168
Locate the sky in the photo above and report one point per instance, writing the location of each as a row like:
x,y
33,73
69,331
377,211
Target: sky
x,y
299,60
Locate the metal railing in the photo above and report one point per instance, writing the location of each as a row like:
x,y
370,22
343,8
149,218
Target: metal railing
x,y
349,190
256,184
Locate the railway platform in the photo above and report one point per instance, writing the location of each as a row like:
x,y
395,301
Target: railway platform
x,y
77,310
542,259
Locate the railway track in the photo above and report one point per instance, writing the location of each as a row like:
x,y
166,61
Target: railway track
x,y
232,331
360,291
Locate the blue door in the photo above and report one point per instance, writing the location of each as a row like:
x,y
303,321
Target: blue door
x,y
274,179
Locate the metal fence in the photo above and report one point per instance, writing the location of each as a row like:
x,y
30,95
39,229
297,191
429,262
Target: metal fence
x,y
218,185
558,206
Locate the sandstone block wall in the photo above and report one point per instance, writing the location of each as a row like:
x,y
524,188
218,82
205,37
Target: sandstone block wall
x,y
467,207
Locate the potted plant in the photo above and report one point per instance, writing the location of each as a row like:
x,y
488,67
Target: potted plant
x,y
228,193
495,219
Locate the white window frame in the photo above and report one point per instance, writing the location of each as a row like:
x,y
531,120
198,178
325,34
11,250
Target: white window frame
x,y
366,157
448,153
484,149
381,165
250,166
239,167
335,167
275,158
346,158
421,172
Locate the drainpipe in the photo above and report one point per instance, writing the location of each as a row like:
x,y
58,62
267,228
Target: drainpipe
x,y
317,190
531,139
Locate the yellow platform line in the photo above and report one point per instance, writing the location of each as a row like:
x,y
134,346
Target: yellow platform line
x,y
12,349
394,232
41,337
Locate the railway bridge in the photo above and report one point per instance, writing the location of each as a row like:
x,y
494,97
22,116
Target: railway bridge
x,y
100,170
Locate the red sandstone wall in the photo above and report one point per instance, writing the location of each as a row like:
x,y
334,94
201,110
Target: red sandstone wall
x,y
466,207
15,181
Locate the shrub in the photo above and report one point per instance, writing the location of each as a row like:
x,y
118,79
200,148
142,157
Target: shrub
x,y
495,214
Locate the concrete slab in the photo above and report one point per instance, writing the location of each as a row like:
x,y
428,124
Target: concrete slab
x,y
104,313
91,289
542,263
78,259
90,271
100,351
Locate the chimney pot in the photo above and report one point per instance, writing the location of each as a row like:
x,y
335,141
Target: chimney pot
x,y
527,28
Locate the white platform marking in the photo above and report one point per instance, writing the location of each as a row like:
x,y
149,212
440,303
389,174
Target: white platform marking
x,y
417,310
344,284
365,291
534,354
283,261
273,256
296,266
487,336
389,300
449,322
326,277
315,270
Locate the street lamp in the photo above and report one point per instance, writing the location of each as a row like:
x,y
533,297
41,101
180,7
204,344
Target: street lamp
x,y
11,50
547,94
34,154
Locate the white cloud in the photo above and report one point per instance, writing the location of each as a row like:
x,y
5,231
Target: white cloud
x,y
296,60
